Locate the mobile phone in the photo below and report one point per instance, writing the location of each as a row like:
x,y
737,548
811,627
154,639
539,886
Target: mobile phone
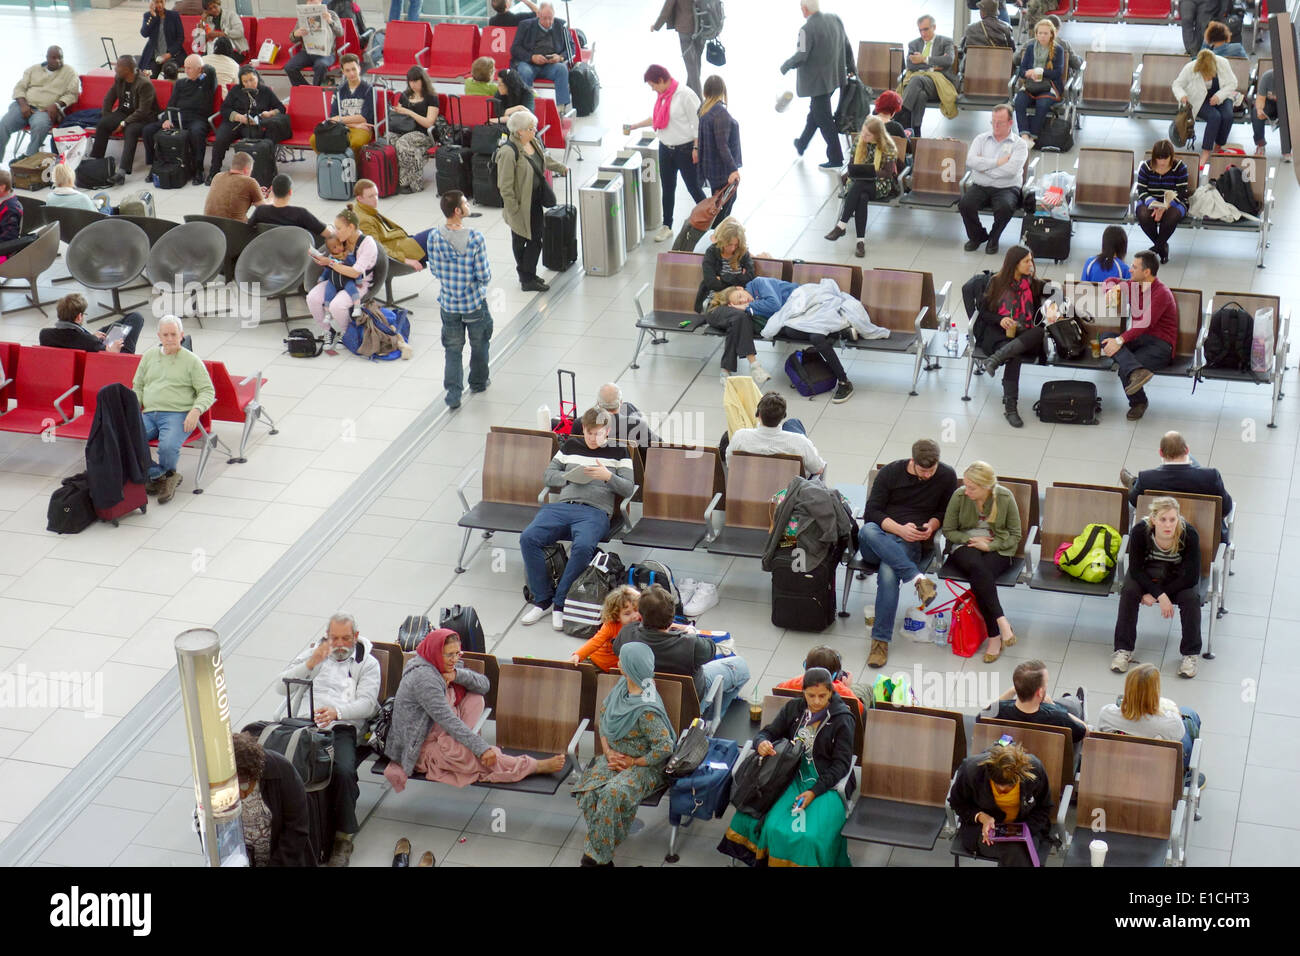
x,y
682,325
1004,740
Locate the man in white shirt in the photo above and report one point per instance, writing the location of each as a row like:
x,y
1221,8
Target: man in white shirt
x,y
345,688
773,437
996,160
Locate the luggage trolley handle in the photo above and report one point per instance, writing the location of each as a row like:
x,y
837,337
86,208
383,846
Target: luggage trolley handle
x,y
573,391
288,696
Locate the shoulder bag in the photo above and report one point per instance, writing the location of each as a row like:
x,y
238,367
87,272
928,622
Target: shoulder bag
x,y
703,215
760,780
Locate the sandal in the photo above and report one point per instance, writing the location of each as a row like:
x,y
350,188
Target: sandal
x,y
990,657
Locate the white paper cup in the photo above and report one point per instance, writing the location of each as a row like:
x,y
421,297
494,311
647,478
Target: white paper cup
x,y
1098,849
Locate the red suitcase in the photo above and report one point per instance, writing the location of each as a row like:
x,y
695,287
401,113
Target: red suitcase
x,y
379,164
133,496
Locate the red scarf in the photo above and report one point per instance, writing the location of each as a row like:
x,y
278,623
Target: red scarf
x,y
659,119
432,649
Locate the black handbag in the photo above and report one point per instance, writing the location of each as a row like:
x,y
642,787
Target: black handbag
x,y
1070,339
1036,87
692,747
761,780
299,740
71,509
715,52
331,137
399,124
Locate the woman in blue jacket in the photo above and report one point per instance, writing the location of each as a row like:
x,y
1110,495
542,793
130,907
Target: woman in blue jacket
x,y
1042,75
165,37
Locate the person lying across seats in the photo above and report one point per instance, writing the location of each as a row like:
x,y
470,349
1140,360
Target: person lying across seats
x,y
437,705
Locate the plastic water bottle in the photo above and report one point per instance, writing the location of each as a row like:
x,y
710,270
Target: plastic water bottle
x,y
939,633
952,337
544,417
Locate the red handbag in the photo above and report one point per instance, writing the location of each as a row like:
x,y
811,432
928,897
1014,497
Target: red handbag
x,y
967,631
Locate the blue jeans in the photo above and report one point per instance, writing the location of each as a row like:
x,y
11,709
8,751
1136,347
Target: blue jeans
x,y
794,425
899,561
1191,722
557,73
583,525
412,10
734,673
1033,124
320,66
1218,123
456,327
169,429
13,121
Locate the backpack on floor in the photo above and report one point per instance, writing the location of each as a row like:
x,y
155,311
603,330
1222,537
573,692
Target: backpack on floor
x,y
414,629
302,343
645,573
1228,343
96,173
1057,134
168,175
464,620
1233,187
556,560
584,88
1068,402
586,597
809,373
1091,556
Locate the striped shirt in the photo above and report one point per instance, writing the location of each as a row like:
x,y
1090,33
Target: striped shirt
x,y
1152,185
576,487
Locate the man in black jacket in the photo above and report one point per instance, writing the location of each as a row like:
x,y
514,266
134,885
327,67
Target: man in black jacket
x,y
244,112
128,105
1179,474
541,51
191,104
70,331
117,449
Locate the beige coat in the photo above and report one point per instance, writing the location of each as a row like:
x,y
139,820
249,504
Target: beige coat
x,y
40,87
515,181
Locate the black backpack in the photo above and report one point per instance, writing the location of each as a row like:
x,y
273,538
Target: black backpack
x,y
71,510
299,740
556,560
854,106
414,629
96,173
1227,344
301,343
1232,186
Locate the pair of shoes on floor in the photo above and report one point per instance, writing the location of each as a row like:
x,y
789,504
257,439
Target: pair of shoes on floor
x,y
402,854
703,596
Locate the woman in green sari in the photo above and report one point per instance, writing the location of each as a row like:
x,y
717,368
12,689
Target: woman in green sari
x,y
636,739
803,826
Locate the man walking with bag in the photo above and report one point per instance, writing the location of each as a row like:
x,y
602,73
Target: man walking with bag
x,y
458,257
823,59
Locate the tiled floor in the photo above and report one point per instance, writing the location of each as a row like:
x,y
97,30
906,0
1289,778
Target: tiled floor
x,y
112,599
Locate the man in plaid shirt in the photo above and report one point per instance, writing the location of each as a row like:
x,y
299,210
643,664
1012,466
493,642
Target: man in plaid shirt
x,y
458,257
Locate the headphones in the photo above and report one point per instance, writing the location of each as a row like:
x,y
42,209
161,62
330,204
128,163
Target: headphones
x,y
837,670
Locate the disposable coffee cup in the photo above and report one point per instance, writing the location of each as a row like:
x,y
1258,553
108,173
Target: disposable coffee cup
x,y
1098,849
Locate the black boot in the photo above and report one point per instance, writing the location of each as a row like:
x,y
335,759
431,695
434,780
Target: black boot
x,y
1011,350
1013,415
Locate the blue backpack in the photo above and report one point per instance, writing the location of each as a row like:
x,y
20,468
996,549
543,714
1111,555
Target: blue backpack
x,y
706,792
388,321
809,373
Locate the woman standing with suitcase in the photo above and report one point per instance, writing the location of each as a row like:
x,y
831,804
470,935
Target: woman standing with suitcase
x,y
521,177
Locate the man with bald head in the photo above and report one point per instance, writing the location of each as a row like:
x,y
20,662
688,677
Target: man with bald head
x,y
626,422
40,97
187,111
1180,474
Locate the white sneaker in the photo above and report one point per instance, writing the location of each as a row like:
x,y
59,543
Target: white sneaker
x,y
705,597
557,620
1120,661
533,614
686,588
758,373
665,232
1188,667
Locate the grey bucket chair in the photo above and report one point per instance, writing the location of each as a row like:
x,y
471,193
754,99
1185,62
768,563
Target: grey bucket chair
x,y
192,253
29,263
155,229
106,256
276,261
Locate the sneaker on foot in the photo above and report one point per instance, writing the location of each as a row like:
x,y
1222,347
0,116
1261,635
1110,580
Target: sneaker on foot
x,y
534,614
758,373
170,482
557,620
705,597
925,590
879,655
1120,660
842,393
665,232
1188,666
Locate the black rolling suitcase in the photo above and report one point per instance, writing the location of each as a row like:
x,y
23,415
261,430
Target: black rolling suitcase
x,y
171,147
464,620
263,153
803,600
483,170
1069,402
1047,238
584,88
560,233
452,170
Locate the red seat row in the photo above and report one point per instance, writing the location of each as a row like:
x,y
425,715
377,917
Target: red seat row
x,y
448,50
1115,11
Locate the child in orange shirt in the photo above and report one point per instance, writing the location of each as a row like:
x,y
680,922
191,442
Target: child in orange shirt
x,y
619,609
829,658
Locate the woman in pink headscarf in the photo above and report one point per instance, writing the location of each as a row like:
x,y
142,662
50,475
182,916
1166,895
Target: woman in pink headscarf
x,y
437,704
676,121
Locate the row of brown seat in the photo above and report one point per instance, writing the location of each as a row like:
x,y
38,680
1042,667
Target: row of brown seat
x,y
1116,84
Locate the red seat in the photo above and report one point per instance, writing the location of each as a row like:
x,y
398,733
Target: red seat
x,y
278,30
452,53
350,42
237,401
94,87
496,42
580,55
44,386
1158,10
162,91
102,368
308,106
250,33
548,118
406,44
470,110
1107,10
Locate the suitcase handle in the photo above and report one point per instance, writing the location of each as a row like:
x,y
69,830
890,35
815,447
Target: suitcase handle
x,y
288,696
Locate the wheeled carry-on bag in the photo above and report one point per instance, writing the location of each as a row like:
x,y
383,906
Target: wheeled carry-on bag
x,y
560,233
1069,402
802,600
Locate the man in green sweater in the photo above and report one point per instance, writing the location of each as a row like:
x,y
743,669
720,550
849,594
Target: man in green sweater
x,y
174,389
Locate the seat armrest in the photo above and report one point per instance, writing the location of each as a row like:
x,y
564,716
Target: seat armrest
x,y
920,317
1121,565
6,383
636,300
572,749
57,402
626,506
256,379
482,719
941,305
460,489
1176,825
712,700
713,506
842,785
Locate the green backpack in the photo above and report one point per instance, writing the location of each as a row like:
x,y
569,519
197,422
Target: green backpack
x,y
1091,555
892,690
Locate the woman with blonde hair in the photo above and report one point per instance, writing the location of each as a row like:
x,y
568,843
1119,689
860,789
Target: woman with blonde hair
x,y
482,77
873,175
1042,77
1142,712
983,522
1003,785
1209,86
727,261
65,192
1164,568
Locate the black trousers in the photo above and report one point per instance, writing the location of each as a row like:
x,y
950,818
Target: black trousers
x,y
343,786
825,348
1158,232
11,247
1003,201
1130,602
528,251
1028,344
739,327
196,131
856,202
674,160
130,136
981,569
1011,853
821,118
